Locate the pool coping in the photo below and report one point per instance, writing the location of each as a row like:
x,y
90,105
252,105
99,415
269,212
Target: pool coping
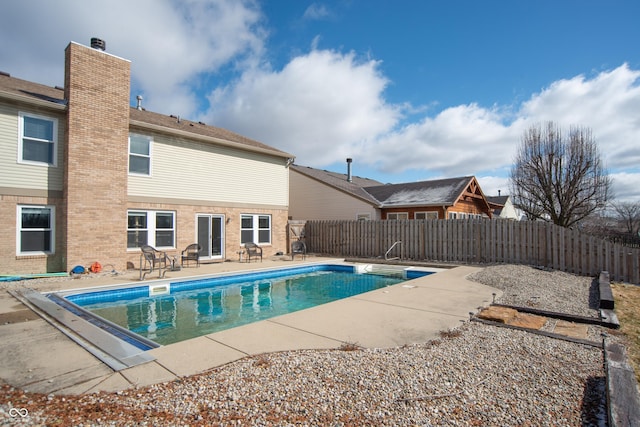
x,y
388,317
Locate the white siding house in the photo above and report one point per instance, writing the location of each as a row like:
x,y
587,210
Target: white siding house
x,y
326,195
86,177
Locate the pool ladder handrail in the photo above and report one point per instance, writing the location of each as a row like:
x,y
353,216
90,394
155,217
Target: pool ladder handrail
x,y
386,254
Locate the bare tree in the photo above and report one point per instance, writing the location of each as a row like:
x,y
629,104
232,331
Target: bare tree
x,y
628,214
559,179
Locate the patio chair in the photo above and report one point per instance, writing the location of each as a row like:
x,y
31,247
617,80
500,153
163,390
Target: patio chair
x,y
191,253
253,251
154,258
298,247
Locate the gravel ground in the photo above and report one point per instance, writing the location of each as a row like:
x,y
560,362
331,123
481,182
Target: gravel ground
x,y
542,289
475,375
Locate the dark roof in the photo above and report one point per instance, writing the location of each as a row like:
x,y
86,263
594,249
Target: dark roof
x,y
498,200
144,117
497,203
340,182
26,91
439,192
31,91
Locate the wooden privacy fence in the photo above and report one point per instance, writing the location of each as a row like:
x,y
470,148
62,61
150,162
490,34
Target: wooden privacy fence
x,y
476,241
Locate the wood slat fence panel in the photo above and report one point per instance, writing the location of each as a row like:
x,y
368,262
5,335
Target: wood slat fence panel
x,y
477,241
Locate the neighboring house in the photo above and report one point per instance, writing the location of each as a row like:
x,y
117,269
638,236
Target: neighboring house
x,y
85,177
503,208
451,198
317,194
320,194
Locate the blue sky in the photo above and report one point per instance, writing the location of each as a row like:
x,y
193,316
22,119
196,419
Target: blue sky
x,y
411,90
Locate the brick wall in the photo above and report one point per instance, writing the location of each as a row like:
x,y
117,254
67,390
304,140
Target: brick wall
x,y
96,151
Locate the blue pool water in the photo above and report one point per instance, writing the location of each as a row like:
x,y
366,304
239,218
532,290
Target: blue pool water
x,y
200,307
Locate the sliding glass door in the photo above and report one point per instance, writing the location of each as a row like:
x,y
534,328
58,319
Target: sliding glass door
x,y
211,235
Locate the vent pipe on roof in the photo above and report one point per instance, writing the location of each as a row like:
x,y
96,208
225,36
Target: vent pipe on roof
x,y
349,178
97,43
499,193
139,99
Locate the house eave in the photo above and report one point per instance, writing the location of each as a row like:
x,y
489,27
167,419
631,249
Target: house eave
x,y
209,139
25,99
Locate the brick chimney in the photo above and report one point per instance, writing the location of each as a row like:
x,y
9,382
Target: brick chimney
x,y
96,153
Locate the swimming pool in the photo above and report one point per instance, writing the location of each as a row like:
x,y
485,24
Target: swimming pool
x,y
169,312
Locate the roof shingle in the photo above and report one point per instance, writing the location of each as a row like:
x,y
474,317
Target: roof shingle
x,y
423,193
26,91
439,192
340,182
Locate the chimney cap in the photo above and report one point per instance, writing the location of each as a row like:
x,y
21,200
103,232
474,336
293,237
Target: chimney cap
x,y
98,43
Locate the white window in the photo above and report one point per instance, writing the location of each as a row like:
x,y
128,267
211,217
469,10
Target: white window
x,y
255,228
38,143
35,230
140,154
398,215
363,217
154,228
426,215
453,215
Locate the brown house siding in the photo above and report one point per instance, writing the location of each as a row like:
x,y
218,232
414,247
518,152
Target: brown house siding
x,y
469,207
462,206
412,211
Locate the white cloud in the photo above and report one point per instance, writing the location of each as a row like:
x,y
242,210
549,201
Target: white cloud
x,y
625,186
316,11
458,141
170,44
321,106
492,185
470,139
608,104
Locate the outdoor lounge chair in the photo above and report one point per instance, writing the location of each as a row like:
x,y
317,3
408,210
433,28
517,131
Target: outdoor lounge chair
x,y
154,259
191,253
298,247
253,251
